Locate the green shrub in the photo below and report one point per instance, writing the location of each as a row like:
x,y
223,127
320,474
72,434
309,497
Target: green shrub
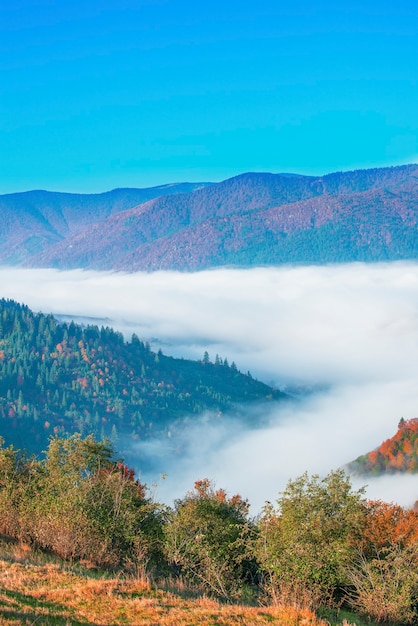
x,y
81,502
207,540
305,543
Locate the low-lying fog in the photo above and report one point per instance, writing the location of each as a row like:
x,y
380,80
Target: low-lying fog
x,y
348,334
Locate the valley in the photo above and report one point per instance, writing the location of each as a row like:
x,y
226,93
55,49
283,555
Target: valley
x,y
341,338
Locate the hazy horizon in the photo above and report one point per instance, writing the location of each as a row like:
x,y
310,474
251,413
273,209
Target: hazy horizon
x,y
345,333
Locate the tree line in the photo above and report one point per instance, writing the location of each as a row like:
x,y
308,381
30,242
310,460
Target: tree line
x,y
320,544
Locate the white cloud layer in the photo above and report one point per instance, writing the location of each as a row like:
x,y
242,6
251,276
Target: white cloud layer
x,y
349,331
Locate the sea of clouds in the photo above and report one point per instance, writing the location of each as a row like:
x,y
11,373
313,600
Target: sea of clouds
x,y
343,338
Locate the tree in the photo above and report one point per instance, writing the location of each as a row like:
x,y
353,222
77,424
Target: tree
x,y
386,525
74,457
305,544
207,540
16,471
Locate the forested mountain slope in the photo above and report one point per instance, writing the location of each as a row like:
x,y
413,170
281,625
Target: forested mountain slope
x,y
58,378
397,454
34,220
251,219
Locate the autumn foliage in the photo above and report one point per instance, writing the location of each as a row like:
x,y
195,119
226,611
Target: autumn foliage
x,y
389,524
397,454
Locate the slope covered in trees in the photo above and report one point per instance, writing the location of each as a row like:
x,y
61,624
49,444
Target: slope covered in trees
x,y
58,378
34,220
250,219
255,219
397,454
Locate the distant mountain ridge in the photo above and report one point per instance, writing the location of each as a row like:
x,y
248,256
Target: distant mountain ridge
x,y
250,219
31,221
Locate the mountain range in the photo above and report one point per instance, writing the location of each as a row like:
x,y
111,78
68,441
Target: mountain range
x,y
252,219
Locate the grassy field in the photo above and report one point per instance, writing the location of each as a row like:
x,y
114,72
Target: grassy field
x,y
37,589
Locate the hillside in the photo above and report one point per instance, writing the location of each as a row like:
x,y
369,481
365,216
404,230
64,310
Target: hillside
x,y
35,590
34,220
397,454
251,219
58,378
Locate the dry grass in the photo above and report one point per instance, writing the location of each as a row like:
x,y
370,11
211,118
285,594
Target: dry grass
x,y
36,593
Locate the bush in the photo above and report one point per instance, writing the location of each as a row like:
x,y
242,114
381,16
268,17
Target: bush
x,y
207,540
305,543
386,587
81,502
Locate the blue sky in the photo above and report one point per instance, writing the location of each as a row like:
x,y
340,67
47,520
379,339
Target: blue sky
x,y
115,93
